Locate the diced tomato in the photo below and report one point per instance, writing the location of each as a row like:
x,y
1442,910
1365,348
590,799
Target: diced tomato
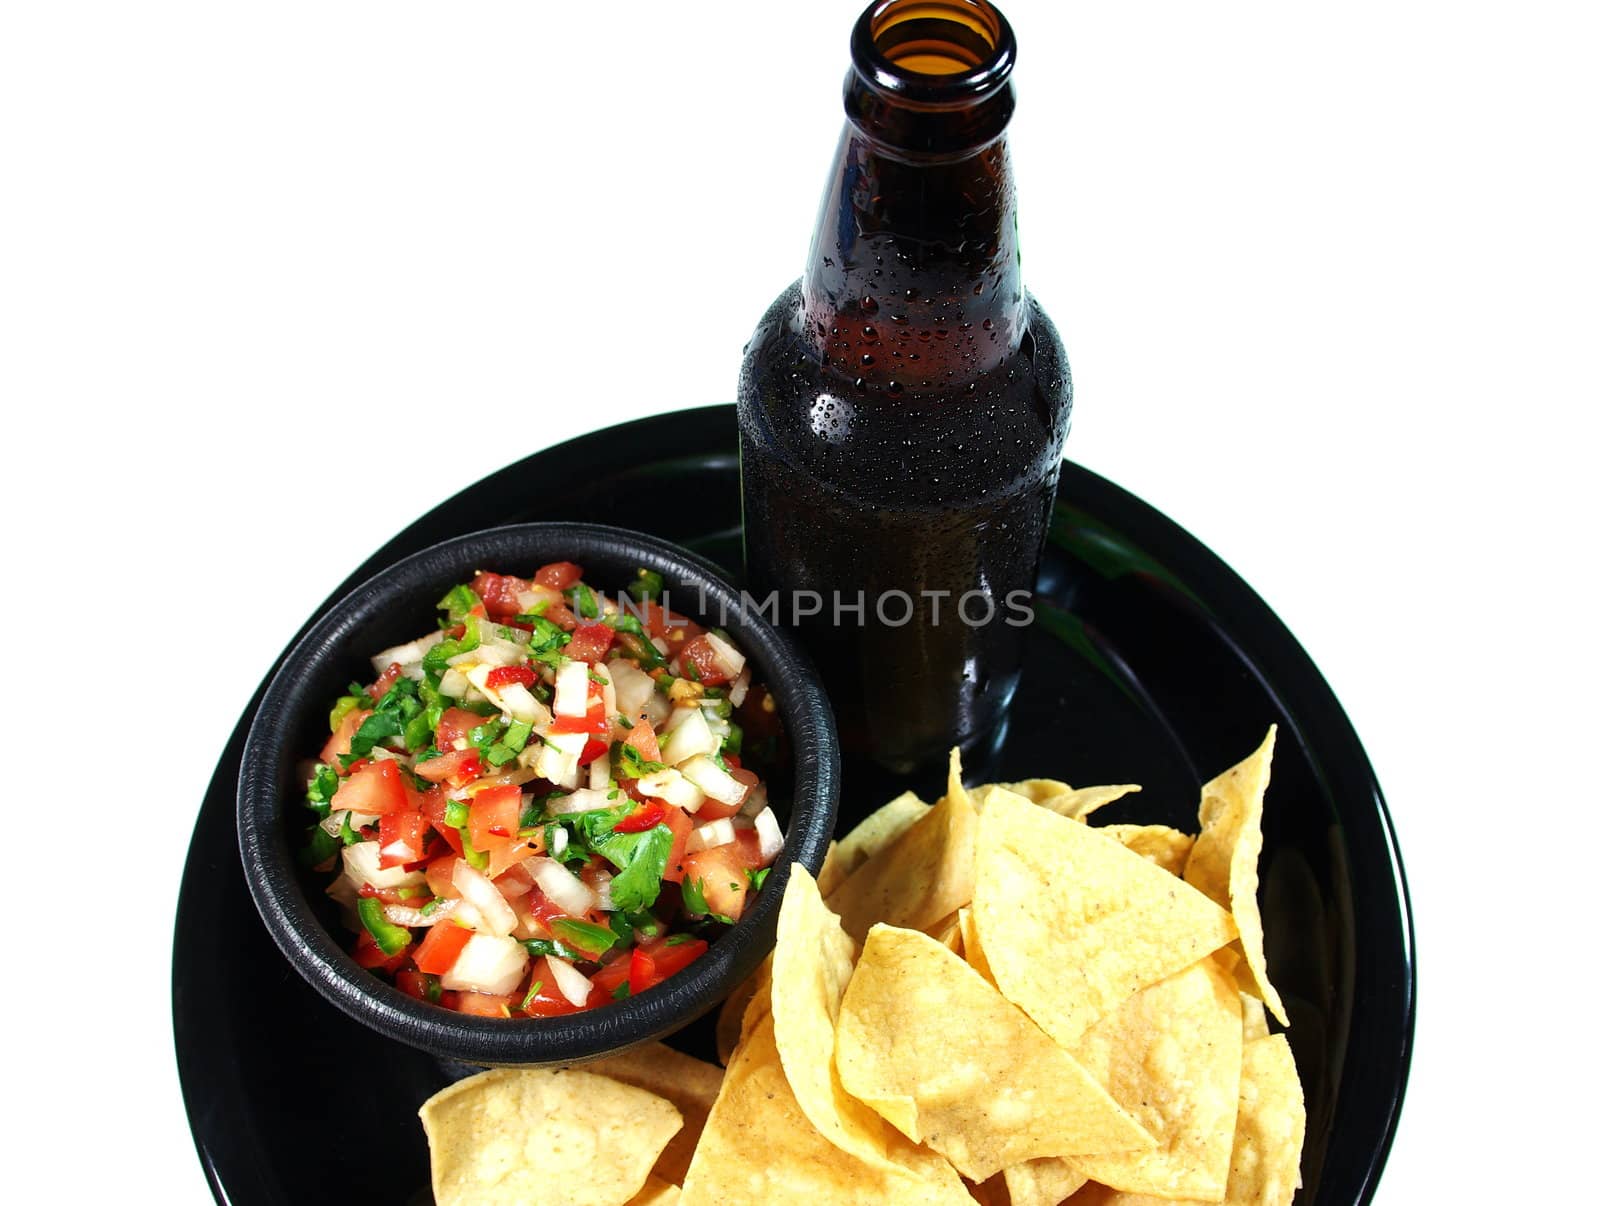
x,y
682,826
548,1001
593,721
440,873
513,882
376,788
451,836
504,676
543,909
590,642
385,680
558,574
708,668
670,957
439,949
642,737
641,972
457,766
403,833
368,954
732,762
431,803
613,973
720,872
339,743
481,1004
499,593
669,625
505,856
494,816
592,750
647,816
561,615
413,984
454,726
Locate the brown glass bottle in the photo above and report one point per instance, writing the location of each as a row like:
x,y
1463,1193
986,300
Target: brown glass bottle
x,y
903,405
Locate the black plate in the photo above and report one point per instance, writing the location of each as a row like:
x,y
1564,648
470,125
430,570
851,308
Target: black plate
x,y
1151,662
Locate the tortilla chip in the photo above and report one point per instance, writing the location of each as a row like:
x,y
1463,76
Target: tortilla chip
x,y
880,829
688,1083
989,1193
1167,848
494,1137
759,1147
731,1017
1170,1055
1043,1182
1111,922
922,877
933,1047
833,873
1223,861
1265,1166
1255,1017
947,933
1079,803
811,966
656,1192
971,949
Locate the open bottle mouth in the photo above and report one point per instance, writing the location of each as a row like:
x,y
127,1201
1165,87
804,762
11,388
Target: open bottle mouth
x,y
934,52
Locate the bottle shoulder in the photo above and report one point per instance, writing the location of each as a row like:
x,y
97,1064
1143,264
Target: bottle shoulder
x,y
1002,429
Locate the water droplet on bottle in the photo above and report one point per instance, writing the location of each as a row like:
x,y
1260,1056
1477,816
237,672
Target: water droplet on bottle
x,y
869,304
988,324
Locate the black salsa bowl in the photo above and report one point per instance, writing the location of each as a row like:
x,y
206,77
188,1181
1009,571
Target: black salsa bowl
x,y
392,607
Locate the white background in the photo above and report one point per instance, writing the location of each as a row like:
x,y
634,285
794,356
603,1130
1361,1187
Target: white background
x,y
277,278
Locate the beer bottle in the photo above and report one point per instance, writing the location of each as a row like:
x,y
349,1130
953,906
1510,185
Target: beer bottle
x,y
902,406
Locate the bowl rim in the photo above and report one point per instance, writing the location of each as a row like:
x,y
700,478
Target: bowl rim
x,y
275,881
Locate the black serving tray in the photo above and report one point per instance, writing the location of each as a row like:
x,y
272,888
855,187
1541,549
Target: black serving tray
x,y
1150,662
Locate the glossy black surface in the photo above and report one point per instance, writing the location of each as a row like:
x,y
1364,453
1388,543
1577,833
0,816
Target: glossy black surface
x,y
393,607
1154,663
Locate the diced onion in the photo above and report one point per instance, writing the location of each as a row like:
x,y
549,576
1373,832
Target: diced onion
x,y
401,852
632,685
558,842
600,771
740,688
585,799
565,890
361,867
489,963
755,801
727,657
602,888
572,689
690,736
479,891
409,654
570,982
453,682
770,833
411,918
535,595
714,781
712,833
671,786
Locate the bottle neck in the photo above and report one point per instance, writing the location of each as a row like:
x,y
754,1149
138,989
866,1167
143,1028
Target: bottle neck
x,y
914,279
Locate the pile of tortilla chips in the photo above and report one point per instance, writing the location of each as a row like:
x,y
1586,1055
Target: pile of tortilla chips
x,y
984,999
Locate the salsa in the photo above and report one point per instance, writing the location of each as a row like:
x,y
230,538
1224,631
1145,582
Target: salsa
x,y
543,806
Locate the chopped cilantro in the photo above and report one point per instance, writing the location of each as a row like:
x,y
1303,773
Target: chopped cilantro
x,y
757,878
346,833
533,991
631,765
380,726
583,600
621,992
